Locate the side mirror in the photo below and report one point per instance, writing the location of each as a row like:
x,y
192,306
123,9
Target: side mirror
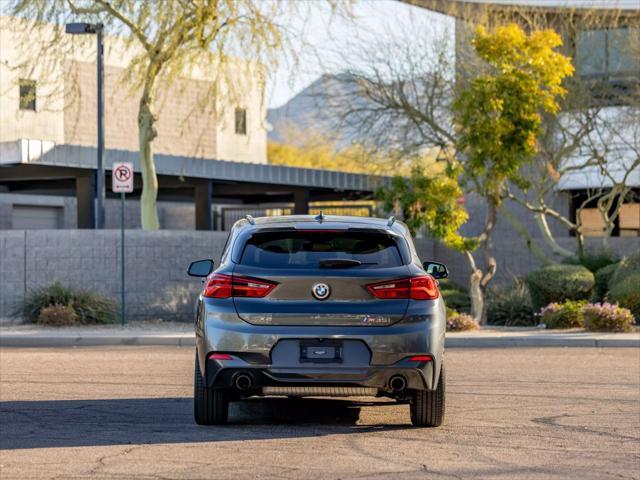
x,y
200,268
436,270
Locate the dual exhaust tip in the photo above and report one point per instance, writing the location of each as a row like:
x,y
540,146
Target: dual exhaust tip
x,y
398,383
242,381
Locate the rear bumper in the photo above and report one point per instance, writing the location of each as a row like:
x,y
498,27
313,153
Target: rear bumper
x,y
387,349
223,373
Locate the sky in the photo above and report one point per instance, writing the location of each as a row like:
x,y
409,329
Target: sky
x,y
323,40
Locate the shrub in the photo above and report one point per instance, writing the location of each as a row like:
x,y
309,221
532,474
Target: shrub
x,y
557,283
603,278
510,306
89,307
461,323
628,266
606,317
594,261
455,295
57,315
563,315
626,293
452,313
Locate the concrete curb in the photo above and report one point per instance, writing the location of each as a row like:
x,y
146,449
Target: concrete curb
x,y
43,341
540,341
188,340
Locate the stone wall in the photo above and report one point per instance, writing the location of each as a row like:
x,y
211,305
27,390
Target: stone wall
x,y
156,283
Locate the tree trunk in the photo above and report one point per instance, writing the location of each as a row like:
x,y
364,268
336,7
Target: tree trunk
x,y
146,133
476,293
580,240
477,297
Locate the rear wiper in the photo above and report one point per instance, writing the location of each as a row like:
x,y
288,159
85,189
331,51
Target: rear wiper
x,y
339,263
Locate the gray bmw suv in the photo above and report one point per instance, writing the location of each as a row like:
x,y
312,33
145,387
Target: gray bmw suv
x,y
319,306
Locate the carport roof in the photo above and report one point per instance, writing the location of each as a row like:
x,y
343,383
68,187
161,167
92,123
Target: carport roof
x,y
30,152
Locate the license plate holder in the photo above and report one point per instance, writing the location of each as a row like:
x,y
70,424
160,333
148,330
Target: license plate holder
x,y
320,351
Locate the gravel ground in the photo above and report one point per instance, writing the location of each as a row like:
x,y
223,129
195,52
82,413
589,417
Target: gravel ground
x,y
126,412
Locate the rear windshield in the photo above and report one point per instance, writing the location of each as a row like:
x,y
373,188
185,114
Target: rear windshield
x,y
297,249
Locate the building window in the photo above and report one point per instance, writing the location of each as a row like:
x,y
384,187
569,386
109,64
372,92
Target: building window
x,y
27,94
241,121
608,53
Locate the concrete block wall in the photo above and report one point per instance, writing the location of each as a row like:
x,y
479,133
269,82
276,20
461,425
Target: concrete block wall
x,y
157,286
515,260
156,283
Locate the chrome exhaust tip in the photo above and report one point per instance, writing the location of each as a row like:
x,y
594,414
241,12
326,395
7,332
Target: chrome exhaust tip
x,y
242,381
397,383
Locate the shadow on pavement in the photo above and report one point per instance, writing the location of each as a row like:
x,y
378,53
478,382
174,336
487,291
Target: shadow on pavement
x,y
74,423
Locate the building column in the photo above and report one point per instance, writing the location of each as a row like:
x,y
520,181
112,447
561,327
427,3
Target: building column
x,y
203,192
301,201
85,194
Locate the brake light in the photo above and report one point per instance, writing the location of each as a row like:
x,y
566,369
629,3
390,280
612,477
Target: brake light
x,y
225,286
423,287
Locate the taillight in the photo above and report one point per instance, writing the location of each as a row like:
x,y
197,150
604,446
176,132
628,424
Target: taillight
x,y
225,286
220,356
423,287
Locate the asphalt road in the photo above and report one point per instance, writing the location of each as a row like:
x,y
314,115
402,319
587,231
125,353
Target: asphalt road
x,y
126,412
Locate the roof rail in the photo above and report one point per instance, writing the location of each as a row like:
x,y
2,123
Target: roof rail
x,y
320,217
391,221
250,219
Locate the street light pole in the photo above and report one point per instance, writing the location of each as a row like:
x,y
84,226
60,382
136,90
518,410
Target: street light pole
x,y
97,29
100,167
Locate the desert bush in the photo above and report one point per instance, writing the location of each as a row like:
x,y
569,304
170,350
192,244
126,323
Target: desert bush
x,y
461,323
626,293
603,278
557,283
563,315
594,261
89,307
606,317
451,312
455,295
510,306
628,266
57,315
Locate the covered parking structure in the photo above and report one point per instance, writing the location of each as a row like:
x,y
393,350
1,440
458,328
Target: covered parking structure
x,y
35,168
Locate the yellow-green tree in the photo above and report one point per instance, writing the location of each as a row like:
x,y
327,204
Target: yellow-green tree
x,y
312,149
171,36
499,121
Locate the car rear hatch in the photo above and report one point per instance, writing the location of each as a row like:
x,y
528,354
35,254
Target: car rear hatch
x,y
320,277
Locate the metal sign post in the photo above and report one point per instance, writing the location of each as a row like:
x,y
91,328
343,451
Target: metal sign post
x,y
122,182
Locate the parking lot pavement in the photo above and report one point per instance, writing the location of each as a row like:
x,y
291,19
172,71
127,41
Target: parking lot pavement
x,y
126,412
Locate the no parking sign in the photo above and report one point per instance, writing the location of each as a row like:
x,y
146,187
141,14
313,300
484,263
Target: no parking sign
x,y
122,177
122,182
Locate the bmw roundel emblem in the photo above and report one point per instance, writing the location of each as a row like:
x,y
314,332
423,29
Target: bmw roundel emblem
x,y
321,291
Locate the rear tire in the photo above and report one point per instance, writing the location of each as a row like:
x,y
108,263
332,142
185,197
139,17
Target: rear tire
x,y
427,408
210,405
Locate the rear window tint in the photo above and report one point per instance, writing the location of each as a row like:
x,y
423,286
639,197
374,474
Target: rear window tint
x,y
297,249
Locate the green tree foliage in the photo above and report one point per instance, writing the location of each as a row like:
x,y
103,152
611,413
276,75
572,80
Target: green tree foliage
x,y
432,201
500,114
